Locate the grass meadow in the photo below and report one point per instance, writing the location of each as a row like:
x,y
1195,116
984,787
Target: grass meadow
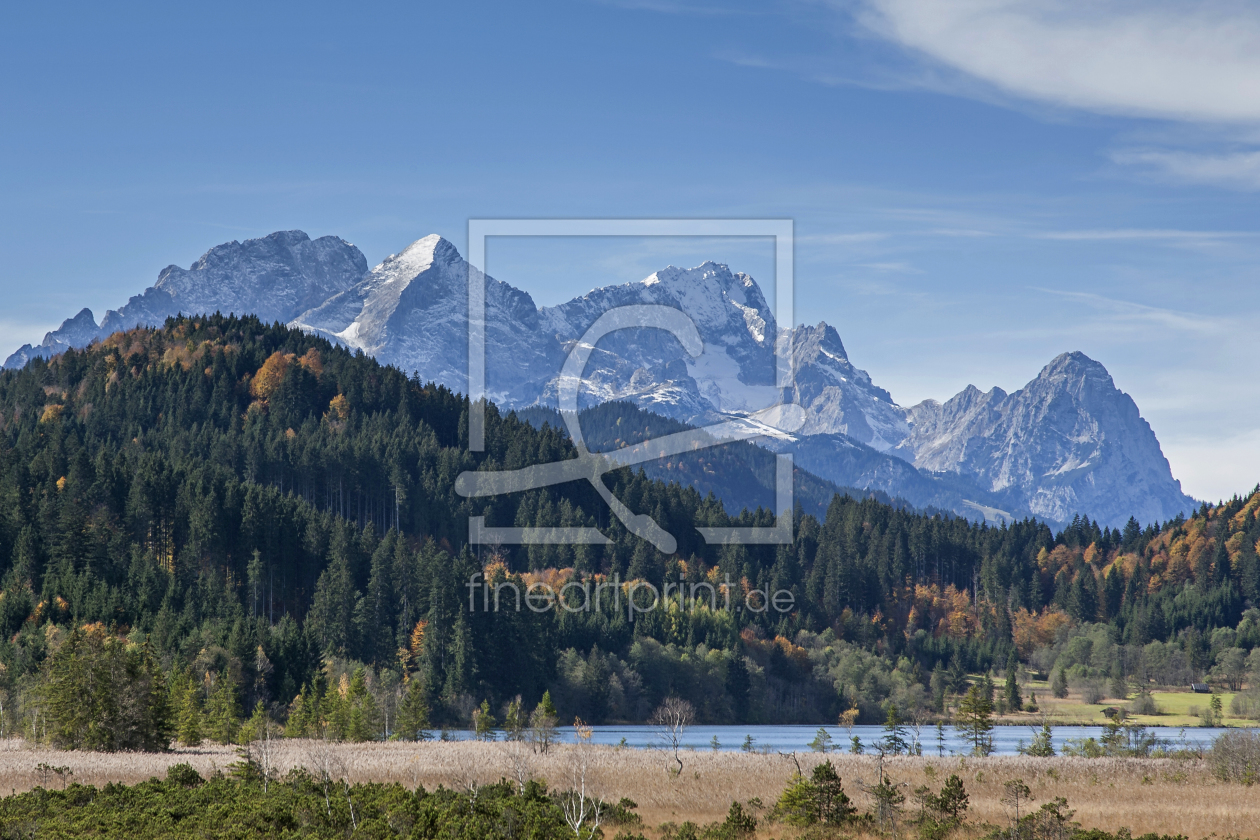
x,y
1144,795
1177,709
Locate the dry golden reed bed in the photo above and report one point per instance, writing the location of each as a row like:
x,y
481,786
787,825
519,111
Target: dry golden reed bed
x,y
1142,794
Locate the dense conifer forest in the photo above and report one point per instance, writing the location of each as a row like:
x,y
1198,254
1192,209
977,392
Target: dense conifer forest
x,y
258,524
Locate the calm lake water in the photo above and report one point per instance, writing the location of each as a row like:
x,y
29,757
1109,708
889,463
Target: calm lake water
x,y
1006,739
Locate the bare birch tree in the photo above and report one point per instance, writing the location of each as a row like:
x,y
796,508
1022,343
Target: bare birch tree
x,y
583,811
670,721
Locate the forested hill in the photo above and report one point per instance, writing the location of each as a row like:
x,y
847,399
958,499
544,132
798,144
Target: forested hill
x,y
269,512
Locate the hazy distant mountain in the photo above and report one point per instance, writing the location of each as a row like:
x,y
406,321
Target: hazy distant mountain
x,y
1068,442
276,278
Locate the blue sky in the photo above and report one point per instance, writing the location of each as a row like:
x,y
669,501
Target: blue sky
x,y
977,185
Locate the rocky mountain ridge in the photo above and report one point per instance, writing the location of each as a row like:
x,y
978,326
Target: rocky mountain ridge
x,y
1068,442
275,277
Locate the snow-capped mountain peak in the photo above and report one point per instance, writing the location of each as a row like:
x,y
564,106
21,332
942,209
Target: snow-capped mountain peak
x,y
1067,442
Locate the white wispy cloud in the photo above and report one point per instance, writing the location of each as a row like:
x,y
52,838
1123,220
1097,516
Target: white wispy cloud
x,y
843,238
1127,312
1195,60
892,267
1232,170
1143,234
1189,62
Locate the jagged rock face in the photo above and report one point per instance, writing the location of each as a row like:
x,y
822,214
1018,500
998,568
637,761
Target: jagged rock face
x,y
1068,442
275,277
411,311
840,397
648,366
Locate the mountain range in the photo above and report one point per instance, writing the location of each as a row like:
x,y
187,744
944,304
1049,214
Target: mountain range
x,y
1069,442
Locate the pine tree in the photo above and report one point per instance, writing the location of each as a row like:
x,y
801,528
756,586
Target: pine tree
x,y
1014,700
833,805
413,716
484,722
223,712
362,717
953,800
542,723
975,720
888,801
894,740
189,729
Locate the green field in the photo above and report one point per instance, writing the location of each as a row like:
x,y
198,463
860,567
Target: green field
x,y
1178,709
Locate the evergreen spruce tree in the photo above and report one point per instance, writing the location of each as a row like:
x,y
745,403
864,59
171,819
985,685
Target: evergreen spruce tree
x,y
413,715
300,724
975,720
361,711
484,722
1014,700
938,684
542,723
255,727
189,724
223,711
956,676
894,740
1042,745
103,693
1119,686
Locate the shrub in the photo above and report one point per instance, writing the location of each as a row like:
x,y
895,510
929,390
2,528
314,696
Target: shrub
x,y
1144,704
1059,685
818,799
1092,692
737,824
184,775
1235,756
623,813
1246,704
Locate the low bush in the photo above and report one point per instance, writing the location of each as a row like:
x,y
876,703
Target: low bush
x,y
1144,704
1092,692
1246,704
184,775
226,807
1235,756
